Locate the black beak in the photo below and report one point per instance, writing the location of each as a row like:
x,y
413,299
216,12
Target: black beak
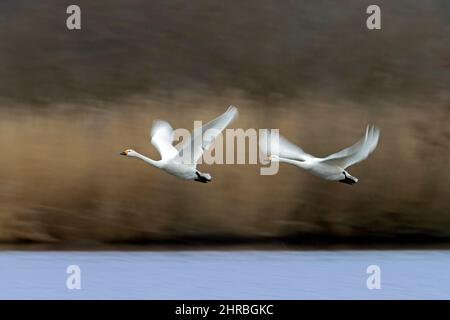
x,y
123,153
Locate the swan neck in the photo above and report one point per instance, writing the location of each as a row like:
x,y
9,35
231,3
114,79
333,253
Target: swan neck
x,y
293,162
148,160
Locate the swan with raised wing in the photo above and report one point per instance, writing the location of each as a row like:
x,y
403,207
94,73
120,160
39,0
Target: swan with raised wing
x,y
331,168
182,162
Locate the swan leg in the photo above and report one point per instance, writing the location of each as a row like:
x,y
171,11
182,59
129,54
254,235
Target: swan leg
x,y
348,179
203,177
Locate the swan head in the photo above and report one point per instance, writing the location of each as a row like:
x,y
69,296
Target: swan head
x,y
128,153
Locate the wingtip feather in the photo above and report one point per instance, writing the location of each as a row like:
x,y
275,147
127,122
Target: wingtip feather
x,y
233,109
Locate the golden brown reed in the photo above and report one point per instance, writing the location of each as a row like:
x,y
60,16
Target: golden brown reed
x,y
63,178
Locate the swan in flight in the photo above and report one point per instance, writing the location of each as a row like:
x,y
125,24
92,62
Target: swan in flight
x,y
182,163
330,168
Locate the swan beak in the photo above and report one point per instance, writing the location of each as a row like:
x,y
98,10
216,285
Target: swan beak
x,y
123,153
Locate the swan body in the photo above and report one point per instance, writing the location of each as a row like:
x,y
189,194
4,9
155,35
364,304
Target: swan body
x,y
183,163
333,167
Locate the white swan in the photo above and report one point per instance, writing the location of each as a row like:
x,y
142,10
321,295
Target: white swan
x,y
330,168
182,163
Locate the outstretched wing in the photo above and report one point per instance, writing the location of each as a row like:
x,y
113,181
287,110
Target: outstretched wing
x,y
162,138
203,137
356,153
270,145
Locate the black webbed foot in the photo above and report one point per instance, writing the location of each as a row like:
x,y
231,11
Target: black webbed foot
x,y
201,178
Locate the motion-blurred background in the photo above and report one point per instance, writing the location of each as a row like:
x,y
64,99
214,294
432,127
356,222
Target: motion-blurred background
x,y
70,101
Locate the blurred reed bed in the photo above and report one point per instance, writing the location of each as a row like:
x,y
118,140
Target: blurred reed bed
x,y
71,101
63,179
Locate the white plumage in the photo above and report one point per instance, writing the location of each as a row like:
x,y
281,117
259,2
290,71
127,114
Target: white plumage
x,y
329,168
182,163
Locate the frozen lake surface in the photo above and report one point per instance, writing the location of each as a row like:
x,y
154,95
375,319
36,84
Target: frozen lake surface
x,y
415,274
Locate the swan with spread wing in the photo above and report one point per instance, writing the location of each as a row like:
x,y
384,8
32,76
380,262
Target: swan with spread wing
x,y
331,168
182,163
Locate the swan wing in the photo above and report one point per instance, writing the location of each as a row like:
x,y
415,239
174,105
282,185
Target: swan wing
x,y
356,153
203,137
162,138
269,145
